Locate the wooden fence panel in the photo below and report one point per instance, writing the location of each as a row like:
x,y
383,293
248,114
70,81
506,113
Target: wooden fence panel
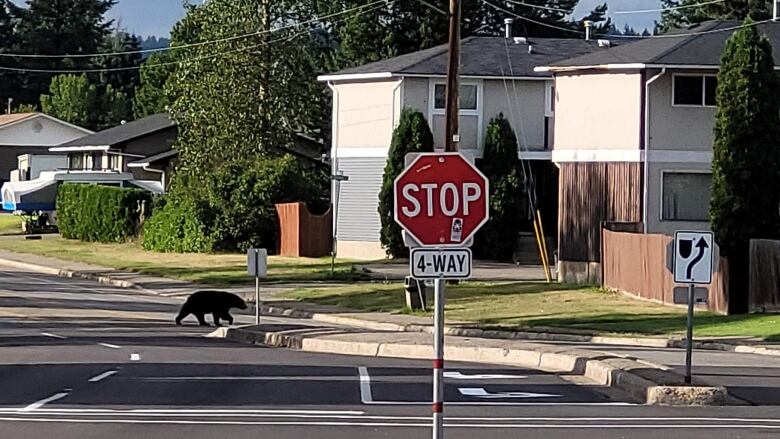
x,y
639,264
764,275
303,234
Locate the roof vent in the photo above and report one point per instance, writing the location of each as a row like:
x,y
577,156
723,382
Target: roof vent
x,y
508,27
521,40
605,43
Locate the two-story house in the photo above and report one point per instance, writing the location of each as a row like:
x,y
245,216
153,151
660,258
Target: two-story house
x,y
633,138
497,77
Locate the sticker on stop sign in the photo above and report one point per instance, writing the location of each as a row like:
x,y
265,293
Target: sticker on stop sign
x,y
441,199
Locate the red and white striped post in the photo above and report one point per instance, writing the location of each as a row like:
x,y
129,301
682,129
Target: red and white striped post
x,y
438,362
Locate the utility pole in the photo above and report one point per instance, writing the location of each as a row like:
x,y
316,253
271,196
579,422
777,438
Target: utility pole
x,y
452,129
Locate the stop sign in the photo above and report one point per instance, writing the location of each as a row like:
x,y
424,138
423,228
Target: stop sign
x,y
441,199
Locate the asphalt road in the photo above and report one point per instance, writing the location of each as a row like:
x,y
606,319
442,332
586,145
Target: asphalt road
x,y
83,360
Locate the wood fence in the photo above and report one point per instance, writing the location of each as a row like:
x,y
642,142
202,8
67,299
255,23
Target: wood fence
x,y
303,234
640,264
764,275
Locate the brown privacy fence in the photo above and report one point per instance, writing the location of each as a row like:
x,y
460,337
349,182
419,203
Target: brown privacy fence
x,y
303,234
638,264
764,275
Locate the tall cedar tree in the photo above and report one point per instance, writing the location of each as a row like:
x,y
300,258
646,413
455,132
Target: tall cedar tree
x,y
59,27
127,80
256,95
8,44
728,10
411,135
501,165
746,155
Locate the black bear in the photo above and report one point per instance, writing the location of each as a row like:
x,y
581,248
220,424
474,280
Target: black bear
x,y
216,303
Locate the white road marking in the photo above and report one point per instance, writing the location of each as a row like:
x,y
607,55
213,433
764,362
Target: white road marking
x,y
393,424
257,378
199,411
48,334
135,357
479,392
111,346
102,376
365,386
38,404
460,376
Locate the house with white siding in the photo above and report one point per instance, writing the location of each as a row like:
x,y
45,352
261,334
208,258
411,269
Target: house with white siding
x,y
633,138
497,77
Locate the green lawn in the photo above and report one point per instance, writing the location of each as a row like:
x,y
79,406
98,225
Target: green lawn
x,y
219,269
523,305
10,224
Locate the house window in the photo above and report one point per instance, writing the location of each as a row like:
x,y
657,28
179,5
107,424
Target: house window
x,y
467,97
76,161
97,161
115,162
686,196
695,90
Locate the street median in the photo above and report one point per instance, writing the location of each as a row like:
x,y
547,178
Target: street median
x,y
642,382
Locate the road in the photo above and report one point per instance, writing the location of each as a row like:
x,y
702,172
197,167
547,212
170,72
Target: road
x,y
83,360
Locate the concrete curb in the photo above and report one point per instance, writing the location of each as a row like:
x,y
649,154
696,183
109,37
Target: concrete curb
x,y
271,309
619,373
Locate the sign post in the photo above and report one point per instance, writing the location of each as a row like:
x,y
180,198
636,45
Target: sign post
x,y
257,266
441,200
692,265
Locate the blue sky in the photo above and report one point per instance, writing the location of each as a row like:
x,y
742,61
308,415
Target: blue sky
x,y
156,17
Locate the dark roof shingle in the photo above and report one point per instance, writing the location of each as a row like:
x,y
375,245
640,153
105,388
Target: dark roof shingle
x,y
701,45
125,132
483,57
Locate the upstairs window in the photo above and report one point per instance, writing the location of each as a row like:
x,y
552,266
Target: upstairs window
x,y
694,90
467,97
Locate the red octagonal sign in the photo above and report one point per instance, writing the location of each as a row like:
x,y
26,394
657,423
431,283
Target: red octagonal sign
x,y
441,199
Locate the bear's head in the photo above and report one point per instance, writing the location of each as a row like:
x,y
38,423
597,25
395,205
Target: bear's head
x,y
238,303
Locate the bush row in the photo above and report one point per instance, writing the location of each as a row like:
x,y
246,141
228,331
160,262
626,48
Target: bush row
x,y
100,213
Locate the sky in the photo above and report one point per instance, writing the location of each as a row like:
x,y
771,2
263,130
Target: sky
x,y
157,17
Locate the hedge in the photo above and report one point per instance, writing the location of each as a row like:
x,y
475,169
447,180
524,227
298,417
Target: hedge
x,y
99,213
177,226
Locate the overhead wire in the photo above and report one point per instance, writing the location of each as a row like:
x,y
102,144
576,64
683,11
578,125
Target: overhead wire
x,y
171,63
676,35
673,8
372,5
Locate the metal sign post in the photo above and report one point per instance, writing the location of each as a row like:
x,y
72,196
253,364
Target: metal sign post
x,y
438,362
257,266
693,263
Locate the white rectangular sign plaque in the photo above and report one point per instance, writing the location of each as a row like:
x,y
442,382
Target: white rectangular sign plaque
x,y
444,263
693,257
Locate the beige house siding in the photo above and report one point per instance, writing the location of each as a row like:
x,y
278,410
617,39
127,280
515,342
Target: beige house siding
x,y
598,111
366,113
674,127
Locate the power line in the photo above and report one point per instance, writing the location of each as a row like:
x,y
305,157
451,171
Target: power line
x,y
202,43
674,8
164,64
546,8
677,35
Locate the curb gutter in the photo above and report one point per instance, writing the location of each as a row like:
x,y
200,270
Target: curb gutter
x,y
643,383
271,309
